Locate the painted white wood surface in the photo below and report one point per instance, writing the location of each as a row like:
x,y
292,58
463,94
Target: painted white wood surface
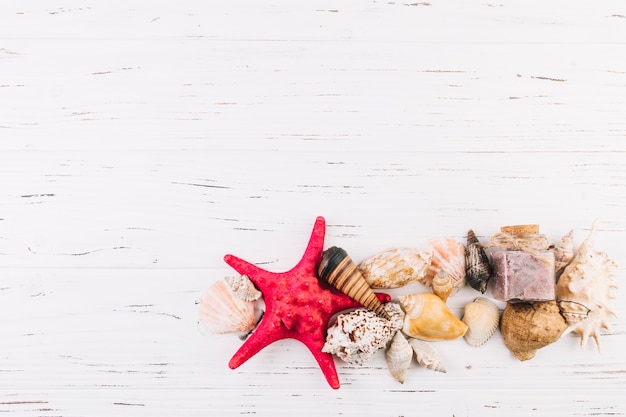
x,y
142,141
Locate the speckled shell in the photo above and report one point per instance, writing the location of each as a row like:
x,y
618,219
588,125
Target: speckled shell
x,y
221,311
426,354
359,334
243,288
395,267
584,291
399,356
482,317
448,254
477,267
428,318
442,285
528,326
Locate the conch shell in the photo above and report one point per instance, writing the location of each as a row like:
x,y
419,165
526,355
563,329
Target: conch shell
x,y
442,285
584,291
428,318
399,356
449,255
482,317
395,267
339,270
426,355
528,326
478,270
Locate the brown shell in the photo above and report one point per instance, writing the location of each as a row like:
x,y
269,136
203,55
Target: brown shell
x,y
477,267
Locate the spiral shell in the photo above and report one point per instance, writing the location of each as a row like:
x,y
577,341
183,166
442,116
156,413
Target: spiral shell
x,y
482,317
426,355
339,270
478,270
563,252
442,285
399,356
449,255
428,318
395,267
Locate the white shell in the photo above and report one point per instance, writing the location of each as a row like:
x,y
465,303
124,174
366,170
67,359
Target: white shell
x,y
426,354
482,317
399,356
395,267
449,255
563,251
243,288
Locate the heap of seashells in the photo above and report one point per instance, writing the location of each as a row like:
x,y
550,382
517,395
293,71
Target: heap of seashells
x,y
406,327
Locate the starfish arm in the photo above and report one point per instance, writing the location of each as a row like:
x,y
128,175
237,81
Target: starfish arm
x,y
327,365
315,247
263,336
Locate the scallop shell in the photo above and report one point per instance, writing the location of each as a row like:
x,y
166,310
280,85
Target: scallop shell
x,y
449,255
584,291
442,285
478,270
243,288
563,252
399,356
339,270
426,355
482,317
428,318
221,311
395,267
528,326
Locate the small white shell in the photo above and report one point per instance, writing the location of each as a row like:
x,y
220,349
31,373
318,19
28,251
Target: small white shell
x,y
426,354
243,288
399,356
443,285
482,317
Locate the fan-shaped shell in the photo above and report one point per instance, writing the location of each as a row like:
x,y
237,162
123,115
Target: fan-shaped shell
x,y
399,356
449,255
426,355
482,317
428,318
221,311
395,267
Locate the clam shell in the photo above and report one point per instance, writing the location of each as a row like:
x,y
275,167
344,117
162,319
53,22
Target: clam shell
x,y
442,285
482,317
339,270
399,356
428,318
243,288
426,355
449,255
395,267
221,311
477,268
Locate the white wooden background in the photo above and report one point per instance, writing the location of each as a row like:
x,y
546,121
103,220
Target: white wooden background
x,y
141,141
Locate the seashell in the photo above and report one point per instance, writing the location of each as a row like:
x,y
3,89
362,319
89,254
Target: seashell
x,y
584,291
243,288
482,317
395,267
442,285
563,252
426,354
477,268
339,270
528,326
221,311
428,318
399,356
357,335
449,255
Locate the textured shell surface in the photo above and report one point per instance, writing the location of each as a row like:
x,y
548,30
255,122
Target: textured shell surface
x,y
426,355
478,270
564,251
449,255
428,318
221,311
442,285
243,288
482,317
529,326
585,291
359,334
395,267
399,356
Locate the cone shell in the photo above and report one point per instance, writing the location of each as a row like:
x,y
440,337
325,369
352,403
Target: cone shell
x,y
426,354
221,311
478,271
337,269
482,317
399,356
528,326
428,318
395,267
442,285
449,255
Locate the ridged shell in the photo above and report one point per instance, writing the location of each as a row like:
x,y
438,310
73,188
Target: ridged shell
x,y
426,355
584,291
482,317
395,267
442,285
477,267
399,356
221,311
428,318
243,288
563,252
339,270
528,326
449,255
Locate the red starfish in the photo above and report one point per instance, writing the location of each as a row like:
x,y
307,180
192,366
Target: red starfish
x,y
297,305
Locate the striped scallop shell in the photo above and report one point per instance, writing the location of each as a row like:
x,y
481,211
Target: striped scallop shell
x,y
482,317
449,255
